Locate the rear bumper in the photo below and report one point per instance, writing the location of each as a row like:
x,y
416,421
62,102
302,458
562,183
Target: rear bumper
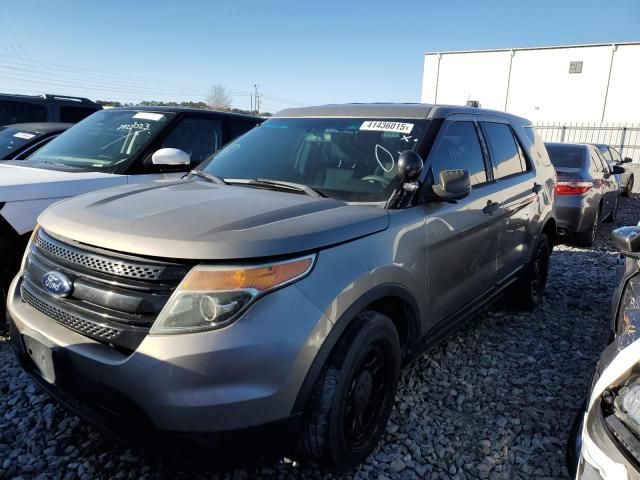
x,y
574,213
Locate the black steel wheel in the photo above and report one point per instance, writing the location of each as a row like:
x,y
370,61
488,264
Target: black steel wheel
x,y
352,399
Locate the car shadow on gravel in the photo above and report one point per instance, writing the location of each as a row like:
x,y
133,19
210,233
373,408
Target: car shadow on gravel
x,y
495,400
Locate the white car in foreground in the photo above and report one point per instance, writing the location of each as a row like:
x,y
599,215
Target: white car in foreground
x,y
605,440
111,147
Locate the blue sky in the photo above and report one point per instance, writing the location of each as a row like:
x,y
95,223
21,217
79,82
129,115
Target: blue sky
x,y
298,52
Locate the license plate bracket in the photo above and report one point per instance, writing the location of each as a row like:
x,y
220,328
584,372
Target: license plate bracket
x,y
41,357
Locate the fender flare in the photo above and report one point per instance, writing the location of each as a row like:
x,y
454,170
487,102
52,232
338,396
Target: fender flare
x,y
340,326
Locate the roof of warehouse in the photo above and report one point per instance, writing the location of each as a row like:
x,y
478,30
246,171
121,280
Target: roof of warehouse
x,y
551,47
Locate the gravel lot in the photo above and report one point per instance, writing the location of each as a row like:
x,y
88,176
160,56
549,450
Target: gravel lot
x,y
494,401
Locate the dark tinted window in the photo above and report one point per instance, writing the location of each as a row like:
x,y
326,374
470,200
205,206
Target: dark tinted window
x,y
199,137
239,127
566,156
504,151
21,112
75,114
459,148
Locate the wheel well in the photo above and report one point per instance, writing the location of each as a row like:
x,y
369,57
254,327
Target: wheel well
x,y
402,316
551,229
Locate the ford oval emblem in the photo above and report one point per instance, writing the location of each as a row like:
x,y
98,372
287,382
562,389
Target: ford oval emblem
x,y
56,284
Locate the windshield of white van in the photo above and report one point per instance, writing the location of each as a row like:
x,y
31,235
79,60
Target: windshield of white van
x,y
103,140
352,159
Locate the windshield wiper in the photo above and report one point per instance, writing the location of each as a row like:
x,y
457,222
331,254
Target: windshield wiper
x,y
279,185
207,176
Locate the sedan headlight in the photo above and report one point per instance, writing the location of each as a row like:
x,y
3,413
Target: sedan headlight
x,y
212,297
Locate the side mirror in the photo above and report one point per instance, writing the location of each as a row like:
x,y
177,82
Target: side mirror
x,y
409,166
617,169
627,239
170,156
453,185
627,160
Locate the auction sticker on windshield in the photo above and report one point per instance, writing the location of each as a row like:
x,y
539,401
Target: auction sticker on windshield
x,y
377,126
24,135
149,116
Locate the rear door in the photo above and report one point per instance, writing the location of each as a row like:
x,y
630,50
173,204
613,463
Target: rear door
x,y
462,236
516,177
609,183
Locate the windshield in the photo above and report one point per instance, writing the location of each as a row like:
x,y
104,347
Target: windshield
x,y
12,139
566,156
103,140
352,159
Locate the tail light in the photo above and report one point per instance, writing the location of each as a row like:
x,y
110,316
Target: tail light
x,y
573,188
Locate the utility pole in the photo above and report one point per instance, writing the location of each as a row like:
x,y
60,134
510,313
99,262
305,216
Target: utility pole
x,y
257,99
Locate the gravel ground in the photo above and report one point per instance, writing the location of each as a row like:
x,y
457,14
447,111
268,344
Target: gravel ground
x,y
494,401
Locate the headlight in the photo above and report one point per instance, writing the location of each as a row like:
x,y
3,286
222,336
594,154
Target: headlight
x,y
28,249
212,297
628,321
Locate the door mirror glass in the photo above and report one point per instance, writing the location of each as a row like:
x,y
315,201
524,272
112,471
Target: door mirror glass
x,y
453,185
627,239
170,156
617,169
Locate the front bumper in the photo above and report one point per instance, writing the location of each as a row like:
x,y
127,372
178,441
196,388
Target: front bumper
x,y
241,377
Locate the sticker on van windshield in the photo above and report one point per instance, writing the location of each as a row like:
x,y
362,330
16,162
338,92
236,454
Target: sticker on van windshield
x,y
149,116
24,135
377,126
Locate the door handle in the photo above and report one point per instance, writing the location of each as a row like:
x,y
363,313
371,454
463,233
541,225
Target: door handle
x,y
536,187
491,207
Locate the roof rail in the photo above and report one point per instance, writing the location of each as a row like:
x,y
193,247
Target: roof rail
x,y
50,96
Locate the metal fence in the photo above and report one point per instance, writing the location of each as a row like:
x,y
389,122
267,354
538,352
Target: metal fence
x,y
625,137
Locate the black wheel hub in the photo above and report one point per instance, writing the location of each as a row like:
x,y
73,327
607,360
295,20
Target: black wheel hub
x,y
368,389
539,273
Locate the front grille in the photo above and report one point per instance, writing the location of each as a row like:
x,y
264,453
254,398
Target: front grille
x,y
115,298
70,320
93,261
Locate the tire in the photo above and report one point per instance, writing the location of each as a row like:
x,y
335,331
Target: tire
x,y
614,213
529,289
353,396
586,239
629,190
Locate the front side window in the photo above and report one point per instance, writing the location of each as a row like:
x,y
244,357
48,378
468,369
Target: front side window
x,y
13,139
459,148
21,112
199,137
103,140
615,155
504,150
604,151
352,159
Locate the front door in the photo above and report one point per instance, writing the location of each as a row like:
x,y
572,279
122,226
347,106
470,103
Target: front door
x,y
462,237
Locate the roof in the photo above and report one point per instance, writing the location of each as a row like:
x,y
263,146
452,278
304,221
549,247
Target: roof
x,y
550,47
41,127
386,110
188,110
569,144
47,98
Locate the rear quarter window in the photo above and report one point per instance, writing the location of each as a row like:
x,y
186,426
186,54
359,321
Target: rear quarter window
x,y
21,112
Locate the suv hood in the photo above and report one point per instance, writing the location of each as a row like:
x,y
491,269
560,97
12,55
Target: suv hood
x,y
19,182
194,219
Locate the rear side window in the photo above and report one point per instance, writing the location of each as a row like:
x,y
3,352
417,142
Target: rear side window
x,y
75,114
21,112
566,156
601,162
459,148
505,152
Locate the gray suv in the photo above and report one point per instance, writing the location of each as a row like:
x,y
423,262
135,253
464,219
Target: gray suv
x,y
277,290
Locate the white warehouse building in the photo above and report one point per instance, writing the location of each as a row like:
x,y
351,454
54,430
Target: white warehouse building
x,y
582,83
